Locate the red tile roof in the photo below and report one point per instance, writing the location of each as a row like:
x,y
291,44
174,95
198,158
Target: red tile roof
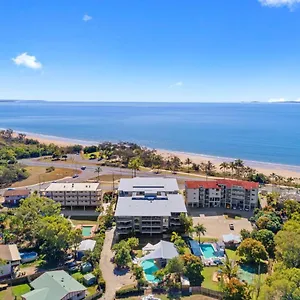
x,y
8,193
215,184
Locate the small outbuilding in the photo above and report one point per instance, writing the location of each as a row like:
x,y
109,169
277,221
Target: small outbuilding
x,y
231,239
85,245
89,279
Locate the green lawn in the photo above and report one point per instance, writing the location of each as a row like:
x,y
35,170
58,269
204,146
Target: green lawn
x,y
35,263
20,290
208,275
206,239
83,222
87,155
232,254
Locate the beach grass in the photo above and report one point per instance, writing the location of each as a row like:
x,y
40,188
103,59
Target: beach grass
x,y
38,174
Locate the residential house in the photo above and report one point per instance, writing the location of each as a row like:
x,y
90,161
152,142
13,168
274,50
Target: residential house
x,y
13,196
55,285
10,257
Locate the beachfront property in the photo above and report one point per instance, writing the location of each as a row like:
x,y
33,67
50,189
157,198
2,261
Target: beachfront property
x,y
85,197
232,194
13,196
11,257
55,285
148,205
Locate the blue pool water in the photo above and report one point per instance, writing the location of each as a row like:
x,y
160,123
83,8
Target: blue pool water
x,y
150,268
208,250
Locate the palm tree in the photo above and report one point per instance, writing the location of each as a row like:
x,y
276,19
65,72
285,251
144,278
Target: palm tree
x,y
175,162
98,170
188,162
229,269
210,168
223,167
135,164
239,165
232,166
199,229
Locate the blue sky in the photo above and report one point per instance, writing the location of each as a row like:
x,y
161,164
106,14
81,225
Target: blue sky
x,y
150,50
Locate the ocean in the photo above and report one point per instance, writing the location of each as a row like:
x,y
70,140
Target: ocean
x,y
265,132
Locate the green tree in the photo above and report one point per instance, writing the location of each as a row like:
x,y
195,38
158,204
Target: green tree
x,y
282,284
186,223
179,243
132,243
199,229
287,243
236,290
175,267
245,234
138,273
175,163
252,251
54,236
76,238
122,257
266,237
291,207
135,163
188,162
193,268
232,166
223,167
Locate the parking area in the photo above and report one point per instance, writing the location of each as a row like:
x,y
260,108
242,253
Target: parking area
x,y
217,221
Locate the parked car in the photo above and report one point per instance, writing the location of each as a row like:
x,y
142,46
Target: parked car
x,y
83,167
75,175
231,226
73,267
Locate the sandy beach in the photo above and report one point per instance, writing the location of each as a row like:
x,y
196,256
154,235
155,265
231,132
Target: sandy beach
x,y
262,167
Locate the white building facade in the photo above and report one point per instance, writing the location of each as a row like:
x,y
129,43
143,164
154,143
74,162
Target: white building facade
x,y
231,194
148,205
75,196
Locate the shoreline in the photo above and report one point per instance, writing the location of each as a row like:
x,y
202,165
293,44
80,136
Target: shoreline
x,y
262,167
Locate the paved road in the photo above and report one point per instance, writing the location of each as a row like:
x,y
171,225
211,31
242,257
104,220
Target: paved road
x,y
114,280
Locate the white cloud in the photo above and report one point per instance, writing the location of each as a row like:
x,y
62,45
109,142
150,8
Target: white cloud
x,y
179,83
278,3
87,18
27,60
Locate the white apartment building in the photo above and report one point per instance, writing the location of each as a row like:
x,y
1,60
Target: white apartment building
x,y
75,196
232,194
148,205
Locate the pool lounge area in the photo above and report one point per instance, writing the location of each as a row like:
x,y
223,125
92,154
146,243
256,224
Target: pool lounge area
x,y
208,252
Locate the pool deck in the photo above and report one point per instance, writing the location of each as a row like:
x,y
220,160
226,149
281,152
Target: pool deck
x,y
93,229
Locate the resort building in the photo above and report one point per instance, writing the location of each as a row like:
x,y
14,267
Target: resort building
x,y
75,196
10,255
148,205
13,197
233,194
55,285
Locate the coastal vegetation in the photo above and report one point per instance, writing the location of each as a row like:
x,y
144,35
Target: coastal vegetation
x,y
14,147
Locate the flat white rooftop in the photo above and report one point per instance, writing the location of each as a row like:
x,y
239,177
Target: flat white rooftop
x,y
148,184
72,187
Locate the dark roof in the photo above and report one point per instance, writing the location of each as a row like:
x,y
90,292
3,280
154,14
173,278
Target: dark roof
x,y
8,193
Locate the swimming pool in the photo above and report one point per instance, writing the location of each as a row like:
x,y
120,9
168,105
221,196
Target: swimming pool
x,y
208,250
87,230
150,268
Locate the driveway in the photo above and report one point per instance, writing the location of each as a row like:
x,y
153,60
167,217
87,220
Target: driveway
x,y
114,281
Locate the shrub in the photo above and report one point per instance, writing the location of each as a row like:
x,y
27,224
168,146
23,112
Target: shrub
x,y
50,169
129,290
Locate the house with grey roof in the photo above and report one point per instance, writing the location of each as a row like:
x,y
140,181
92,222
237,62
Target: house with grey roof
x,y
148,205
55,285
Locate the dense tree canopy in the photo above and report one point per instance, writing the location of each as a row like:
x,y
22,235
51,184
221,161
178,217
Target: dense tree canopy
x,y
252,250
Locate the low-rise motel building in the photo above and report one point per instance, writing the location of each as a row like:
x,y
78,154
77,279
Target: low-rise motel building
x,y
148,205
231,194
84,197
13,196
